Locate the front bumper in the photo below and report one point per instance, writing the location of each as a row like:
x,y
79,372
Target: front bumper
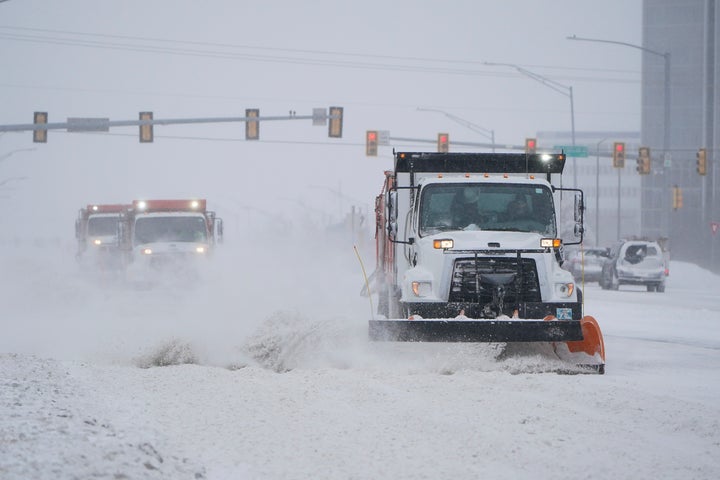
x,y
538,310
475,330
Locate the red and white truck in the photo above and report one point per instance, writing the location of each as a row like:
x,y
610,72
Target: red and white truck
x,y
168,236
97,231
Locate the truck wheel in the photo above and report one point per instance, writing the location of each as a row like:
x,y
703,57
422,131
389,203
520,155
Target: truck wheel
x,y
660,287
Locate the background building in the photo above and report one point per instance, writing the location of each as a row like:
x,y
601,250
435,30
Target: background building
x,y
682,37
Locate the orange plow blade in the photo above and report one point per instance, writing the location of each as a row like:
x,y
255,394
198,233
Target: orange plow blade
x,y
588,353
592,342
592,345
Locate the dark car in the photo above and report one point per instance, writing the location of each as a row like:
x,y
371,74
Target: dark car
x,y
635,262
587,264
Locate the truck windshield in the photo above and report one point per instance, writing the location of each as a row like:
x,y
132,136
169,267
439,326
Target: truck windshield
x,y
170,229
513,207
102,226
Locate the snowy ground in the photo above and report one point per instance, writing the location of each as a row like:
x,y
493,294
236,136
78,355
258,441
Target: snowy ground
x,y
269,376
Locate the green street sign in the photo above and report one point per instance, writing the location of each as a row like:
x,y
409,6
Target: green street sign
x,y
573,150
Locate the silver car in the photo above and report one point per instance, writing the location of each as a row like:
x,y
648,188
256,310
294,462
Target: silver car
x,y
587,264
635,262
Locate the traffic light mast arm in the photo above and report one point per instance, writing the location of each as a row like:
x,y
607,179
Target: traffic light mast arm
x,y
134,123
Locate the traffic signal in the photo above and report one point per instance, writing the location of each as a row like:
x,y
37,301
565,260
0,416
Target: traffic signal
x,y
146,131
702,161
619,155
371,143
643,161
677,198
252,127
40,118
443,142
530,145
335,125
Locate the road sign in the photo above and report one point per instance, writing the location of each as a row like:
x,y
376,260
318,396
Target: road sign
x,y
88,124
319,117
573,150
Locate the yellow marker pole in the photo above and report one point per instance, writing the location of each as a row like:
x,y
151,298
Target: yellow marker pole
x,y
367,283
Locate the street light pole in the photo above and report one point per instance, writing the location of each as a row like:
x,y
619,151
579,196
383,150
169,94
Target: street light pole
x,y
475,128
666,58
558,87
666,116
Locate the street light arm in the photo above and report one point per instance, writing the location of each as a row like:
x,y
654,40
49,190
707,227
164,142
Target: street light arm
x,y
8,180
552,84
654,52
9,154
475,128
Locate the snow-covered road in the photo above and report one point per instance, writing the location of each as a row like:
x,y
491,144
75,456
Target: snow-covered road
x,y
291,389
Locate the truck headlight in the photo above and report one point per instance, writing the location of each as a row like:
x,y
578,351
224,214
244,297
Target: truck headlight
x,y
200,249
444,243
146,251
550,242
97,241
421,289
565,289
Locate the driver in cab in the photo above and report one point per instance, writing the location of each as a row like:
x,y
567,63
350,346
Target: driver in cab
x,y
466,211
517,210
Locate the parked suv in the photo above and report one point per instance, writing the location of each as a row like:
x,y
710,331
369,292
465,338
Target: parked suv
x,y
635,262
590,262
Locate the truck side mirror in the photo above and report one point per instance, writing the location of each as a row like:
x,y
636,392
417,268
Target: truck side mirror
x,y
579,207
219,230
121,231
392,229
392,213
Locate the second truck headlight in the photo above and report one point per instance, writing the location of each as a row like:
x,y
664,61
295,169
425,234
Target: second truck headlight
x,y
421,289
565,289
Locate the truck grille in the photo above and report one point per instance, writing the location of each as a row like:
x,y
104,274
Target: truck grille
x,y
463,287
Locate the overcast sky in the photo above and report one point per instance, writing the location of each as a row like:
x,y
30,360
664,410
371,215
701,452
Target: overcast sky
x,y
381,61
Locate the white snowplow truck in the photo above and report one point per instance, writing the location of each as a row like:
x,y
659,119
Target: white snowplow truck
x,y
468,250
97,233
168,237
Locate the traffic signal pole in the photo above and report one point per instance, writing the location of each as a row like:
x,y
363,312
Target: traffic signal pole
x,y
92,124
